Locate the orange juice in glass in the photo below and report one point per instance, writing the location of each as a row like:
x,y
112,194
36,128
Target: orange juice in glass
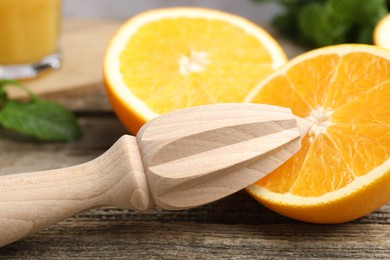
x,y
29,37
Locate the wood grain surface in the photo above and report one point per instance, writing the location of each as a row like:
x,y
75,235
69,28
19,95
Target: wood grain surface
x,y
236,227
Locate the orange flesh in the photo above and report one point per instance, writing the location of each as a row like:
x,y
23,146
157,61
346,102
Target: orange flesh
x,y
349,99
150,66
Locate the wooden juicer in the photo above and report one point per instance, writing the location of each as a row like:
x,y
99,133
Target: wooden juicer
x,y
179,160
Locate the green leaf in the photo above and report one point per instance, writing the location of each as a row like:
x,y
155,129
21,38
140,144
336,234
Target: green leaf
x,y
363,35
319,26
14,83
359,11
3,97
44,120
41,119
362,16
317,23
5,82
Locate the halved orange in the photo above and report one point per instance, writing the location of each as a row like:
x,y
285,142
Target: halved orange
x,y
382,32
343,170
174,58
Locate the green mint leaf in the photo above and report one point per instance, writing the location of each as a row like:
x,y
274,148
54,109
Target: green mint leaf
x,y
316,23
5,82
359,11
41,119
14,83
362,16
44,120
320,26
363,35
3,97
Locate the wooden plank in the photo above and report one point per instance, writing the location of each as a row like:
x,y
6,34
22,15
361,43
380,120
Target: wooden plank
x,y
86,100
140,240
235,227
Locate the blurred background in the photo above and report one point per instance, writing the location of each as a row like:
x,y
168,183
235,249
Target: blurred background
x,y
309,23
122,9
258,11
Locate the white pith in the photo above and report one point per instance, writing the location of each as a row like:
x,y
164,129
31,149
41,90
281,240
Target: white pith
x,y
196,61
321,119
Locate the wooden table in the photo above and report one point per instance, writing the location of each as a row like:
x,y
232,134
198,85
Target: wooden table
x,y
236,227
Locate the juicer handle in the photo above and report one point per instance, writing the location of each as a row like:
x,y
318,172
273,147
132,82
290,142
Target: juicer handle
x,y
30,202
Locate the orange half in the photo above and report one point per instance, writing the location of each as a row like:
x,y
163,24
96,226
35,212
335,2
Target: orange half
x,y
167,59
343,170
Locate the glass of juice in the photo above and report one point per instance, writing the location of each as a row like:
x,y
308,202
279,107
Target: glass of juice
x,y
29,37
